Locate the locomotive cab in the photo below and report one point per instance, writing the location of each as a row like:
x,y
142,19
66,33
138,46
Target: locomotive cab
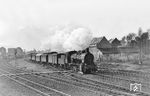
x,y
88,65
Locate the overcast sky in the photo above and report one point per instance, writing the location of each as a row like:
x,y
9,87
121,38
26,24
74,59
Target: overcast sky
x,y
25,23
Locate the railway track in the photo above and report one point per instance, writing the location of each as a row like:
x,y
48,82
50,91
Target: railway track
x,y
99,84
135,77
126,73
78,82
83,85
30,83
43,90
105,77
122,79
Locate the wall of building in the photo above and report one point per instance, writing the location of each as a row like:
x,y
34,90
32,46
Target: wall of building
x,y
96,52
11,52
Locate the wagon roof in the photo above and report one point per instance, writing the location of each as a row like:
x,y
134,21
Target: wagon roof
x,y
33,53
53,53
50,53
71,52
61,53
38,54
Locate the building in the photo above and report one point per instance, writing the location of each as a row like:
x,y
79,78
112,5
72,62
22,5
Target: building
x,y
102,44
19,52
115,42
11,52
133,43
2,52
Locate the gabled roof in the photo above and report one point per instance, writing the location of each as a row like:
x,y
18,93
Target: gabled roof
x,y
115,42
38,54
111,40
96,40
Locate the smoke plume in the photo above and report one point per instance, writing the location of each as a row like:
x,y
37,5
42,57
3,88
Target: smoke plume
x,y
66,38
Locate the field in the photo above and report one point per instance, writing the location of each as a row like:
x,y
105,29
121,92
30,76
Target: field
x,y
125,62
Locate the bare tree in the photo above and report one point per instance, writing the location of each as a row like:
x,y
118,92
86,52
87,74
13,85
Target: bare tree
x,y
130,37
123,38
140,32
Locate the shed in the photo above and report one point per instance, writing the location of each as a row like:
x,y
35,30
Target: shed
x,y
2,52
102,44
115,42
11,52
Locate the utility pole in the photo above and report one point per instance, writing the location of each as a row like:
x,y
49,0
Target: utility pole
x,y
15,57
140,61
140,41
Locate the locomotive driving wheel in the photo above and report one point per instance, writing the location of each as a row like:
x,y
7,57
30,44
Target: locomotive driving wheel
x,y
84,68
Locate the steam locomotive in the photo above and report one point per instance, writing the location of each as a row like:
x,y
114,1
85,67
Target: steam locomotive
x,y
72,60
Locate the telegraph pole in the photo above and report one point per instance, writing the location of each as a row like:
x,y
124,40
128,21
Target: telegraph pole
x,y
140,57
140,61
15,57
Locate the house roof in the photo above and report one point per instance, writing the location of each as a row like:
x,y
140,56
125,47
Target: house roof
x,y
115,42
100,42
111,40
96,40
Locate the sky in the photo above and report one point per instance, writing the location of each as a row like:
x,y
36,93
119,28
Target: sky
x,y
26,23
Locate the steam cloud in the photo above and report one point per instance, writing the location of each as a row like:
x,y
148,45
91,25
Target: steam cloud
x,y
66,38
